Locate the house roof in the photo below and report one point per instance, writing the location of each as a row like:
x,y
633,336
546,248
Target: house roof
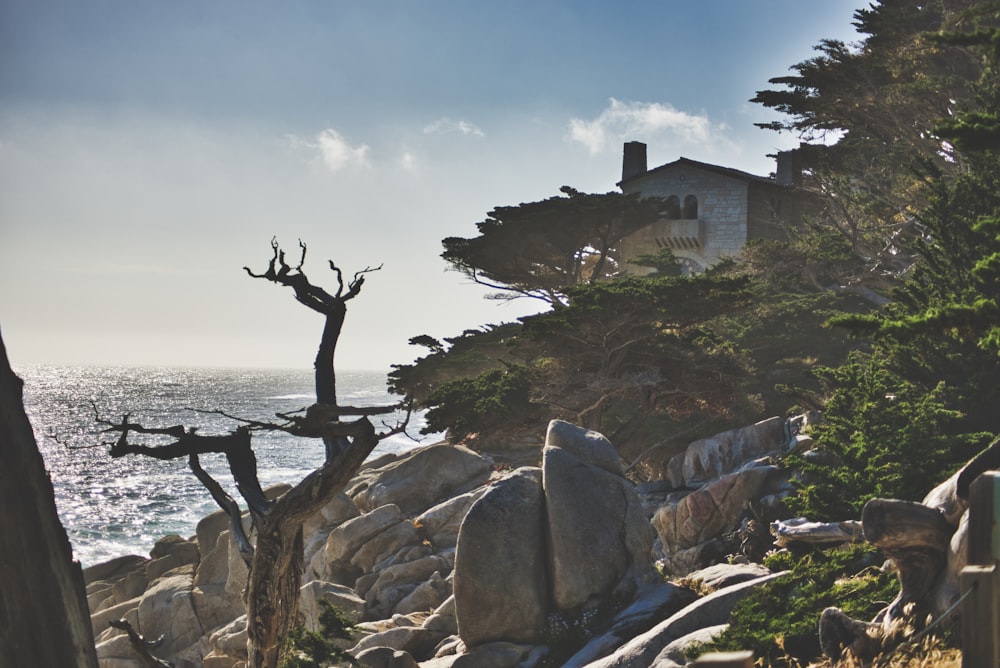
x,y
725,171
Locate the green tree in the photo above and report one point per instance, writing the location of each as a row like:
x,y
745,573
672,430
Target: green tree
x,y
632,357
921,400
870,110
539,249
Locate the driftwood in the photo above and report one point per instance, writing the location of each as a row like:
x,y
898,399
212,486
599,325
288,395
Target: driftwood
x,y
926,543
801,530
141,646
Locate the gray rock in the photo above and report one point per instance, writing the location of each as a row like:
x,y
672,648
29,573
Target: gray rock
x,y
720,576
208,529
167,609
676,651
651,604
498,654
711,610
443,618
344,598
416,641
500,582
588,446
386,657
597,531
186,551
384,545
346,539
127,609
441,523
714,509
426,597
422,478
709,458
396,582
231,640
113,569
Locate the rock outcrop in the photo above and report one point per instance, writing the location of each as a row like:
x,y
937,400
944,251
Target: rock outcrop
x,y
447,558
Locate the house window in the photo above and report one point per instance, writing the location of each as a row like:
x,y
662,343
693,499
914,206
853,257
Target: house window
x,y
690,207
672,208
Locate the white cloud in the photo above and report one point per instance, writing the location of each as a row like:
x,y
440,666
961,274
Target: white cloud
x,y
337,153
444,126
624,121
333,150
408,161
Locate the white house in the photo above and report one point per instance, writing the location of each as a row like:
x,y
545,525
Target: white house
x,y
711,211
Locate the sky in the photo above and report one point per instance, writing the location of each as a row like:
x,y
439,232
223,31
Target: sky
x,y
149,150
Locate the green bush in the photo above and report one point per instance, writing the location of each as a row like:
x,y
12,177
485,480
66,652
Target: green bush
x,y
481,404
312,649
779,621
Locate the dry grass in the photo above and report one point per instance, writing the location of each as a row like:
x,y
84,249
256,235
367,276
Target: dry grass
x,y
930,653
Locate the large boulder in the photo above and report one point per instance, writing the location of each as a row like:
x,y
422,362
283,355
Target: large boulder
x,y
597,531
167,609
219,582
575,542
396,582
311,594
440,523
714,509
384,545
500,580
422,478
333,563
317,528
588,446
713,457
712,610
652,603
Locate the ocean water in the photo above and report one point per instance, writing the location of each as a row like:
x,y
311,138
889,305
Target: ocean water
x,y
112,507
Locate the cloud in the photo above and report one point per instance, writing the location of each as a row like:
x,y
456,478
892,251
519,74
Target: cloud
x,y
445,126
337,153
624,121
333,150
408,161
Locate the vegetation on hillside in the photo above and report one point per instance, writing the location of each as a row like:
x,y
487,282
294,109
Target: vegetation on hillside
x,y
909,172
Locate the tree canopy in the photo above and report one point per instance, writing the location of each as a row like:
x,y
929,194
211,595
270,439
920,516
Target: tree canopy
x,y
869,113
539,249
919,398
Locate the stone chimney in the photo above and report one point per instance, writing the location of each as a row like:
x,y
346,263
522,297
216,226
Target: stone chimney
x,y
789,168
633,160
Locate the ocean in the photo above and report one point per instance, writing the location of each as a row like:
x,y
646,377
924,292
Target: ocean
x,y
113,507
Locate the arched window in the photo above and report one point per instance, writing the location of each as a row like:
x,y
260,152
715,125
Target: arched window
x,y
672,208
690,207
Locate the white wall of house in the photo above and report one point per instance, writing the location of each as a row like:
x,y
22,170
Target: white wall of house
x,y
720,230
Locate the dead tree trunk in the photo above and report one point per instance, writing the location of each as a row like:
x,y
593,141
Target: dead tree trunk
x,y
332,307
275,562
276,570
44,620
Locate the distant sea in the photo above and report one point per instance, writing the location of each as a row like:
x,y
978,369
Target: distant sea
x,y
112,507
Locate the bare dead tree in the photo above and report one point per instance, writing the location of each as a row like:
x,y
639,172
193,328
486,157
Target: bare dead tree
x,y
275,559
332,307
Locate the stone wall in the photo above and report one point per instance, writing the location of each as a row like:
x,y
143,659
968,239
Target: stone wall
x,y
721,226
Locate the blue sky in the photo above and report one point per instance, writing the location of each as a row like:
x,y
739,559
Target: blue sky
x,y
149,150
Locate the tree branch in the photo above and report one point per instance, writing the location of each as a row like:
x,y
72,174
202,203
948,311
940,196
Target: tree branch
x,y
227,504
141,646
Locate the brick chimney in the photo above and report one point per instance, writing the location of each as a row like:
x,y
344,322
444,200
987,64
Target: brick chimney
x,y
633,160
789,168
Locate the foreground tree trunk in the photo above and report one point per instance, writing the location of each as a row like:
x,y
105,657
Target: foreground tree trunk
x,y
44,620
